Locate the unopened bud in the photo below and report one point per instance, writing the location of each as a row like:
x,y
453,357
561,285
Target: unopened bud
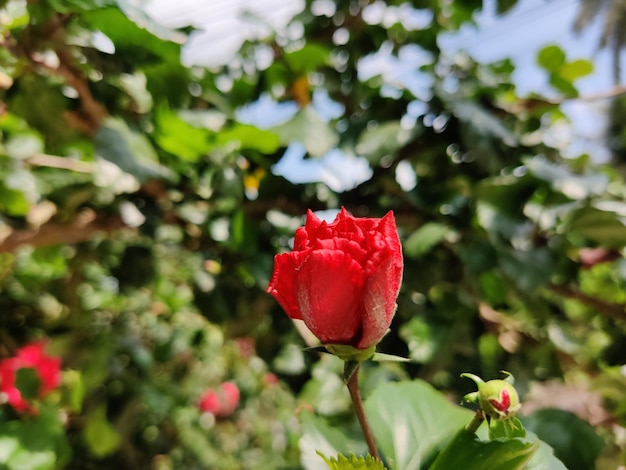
x,y
497,398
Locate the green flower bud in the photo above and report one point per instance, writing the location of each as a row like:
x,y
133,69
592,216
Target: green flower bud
x,y
497,398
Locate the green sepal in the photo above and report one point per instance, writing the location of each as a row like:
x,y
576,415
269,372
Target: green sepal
x,y
382,357
349,353
506,428
341,462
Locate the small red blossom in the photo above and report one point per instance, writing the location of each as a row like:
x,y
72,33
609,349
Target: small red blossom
x,y
31,356
221,402
342,278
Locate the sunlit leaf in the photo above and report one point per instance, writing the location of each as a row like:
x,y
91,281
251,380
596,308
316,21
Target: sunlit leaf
x,y
411,421
101,437
425,239
551,58
308,129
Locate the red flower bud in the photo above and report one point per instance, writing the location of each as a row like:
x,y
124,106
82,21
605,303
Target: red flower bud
x,y
342,278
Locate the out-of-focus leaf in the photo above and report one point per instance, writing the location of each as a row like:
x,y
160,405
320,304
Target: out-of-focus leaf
x,y
319,437
35,444
382,140
28,382
411,421
425,239
482,122
603,227
422,338
574,441
307,128
135,12
307,59
176,136
551,58
128,36
243,136
326,391
131,151
576,69
504,6
528,269
562,179
101,438
13,202
74,389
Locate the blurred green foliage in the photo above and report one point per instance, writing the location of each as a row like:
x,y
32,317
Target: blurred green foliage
x,y
139,216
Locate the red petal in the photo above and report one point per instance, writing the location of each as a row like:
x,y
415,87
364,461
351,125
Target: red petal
x,y
283,283
504,403
329,287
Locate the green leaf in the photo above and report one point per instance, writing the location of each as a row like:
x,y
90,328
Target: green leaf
x,y
576,69
483,122
341,462
603,227
382,140
551,58
129,38
307,128
319,438
468,452
528,269
28,382
326,391
425,239
307,59
179,138
38,443
543,458
574,441
102,439
562,179
423,338
244,136
74,389
129,150
13,202
411,421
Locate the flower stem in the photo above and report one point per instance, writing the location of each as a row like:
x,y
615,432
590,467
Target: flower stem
x,y
355,394
476,421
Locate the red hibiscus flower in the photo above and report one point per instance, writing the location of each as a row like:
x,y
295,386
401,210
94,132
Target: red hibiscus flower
x,y
31,356
342,278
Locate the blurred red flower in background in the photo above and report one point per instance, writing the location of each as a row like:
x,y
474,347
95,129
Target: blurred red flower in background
x,y
221,402
31,356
